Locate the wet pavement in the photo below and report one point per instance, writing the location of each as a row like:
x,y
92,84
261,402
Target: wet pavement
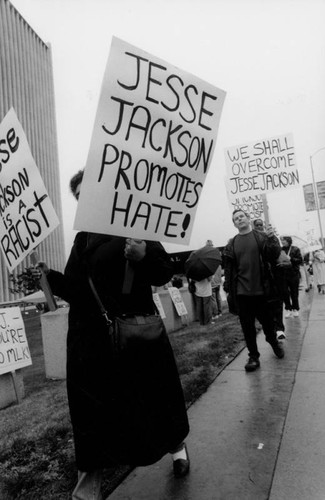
x,y
258,435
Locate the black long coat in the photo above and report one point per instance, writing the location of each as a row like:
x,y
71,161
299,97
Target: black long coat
x,y
128,410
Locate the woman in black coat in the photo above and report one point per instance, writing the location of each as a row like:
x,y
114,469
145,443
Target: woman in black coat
x,y
291,278
128,409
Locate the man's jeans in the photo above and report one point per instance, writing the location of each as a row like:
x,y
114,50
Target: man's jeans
x,y
252,307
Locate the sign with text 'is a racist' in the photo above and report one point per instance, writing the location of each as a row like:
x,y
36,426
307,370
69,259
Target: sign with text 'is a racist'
x,y
27,216
153,140
14,350
258,168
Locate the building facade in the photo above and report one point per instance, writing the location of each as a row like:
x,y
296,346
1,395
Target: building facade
x,y
26,84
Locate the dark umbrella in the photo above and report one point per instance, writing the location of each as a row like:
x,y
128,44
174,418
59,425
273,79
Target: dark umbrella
x,y
202,263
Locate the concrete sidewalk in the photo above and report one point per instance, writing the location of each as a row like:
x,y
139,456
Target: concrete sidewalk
x,y
254,436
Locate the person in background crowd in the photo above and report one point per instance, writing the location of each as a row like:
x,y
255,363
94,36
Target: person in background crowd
x,y
307,271
276,304
291,278
191,289
203,300
248,283
258,224
318,263
216,279
128,409
177,281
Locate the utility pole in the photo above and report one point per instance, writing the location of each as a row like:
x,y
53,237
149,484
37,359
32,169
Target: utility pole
x,y
316,195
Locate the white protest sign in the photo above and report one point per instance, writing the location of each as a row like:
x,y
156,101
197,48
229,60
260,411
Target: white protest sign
x,y
27,216
176,297
252,205
258,168
154,136
14,350
159,305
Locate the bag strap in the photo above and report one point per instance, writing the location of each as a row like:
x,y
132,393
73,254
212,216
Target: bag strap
x,y
99,302
127,285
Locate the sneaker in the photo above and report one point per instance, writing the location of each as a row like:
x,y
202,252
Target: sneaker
x,y
280,335
278,350
252,364
295,313
287,314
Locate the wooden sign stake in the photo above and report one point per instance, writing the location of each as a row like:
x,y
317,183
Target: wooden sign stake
x,y
15,384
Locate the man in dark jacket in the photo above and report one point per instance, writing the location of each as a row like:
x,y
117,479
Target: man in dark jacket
x,y
248,258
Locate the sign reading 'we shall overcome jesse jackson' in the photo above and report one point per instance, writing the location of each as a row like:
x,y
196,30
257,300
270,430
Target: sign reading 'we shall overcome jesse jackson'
x,y
27,216
153,140
260,167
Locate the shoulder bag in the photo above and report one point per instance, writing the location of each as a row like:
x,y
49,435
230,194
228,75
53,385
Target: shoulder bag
x,y
129,330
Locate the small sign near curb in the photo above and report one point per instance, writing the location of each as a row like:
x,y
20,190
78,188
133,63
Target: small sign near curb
x,y
176,297
14,350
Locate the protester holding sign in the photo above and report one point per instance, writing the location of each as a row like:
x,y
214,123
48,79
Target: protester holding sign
x,y
127,409
249,284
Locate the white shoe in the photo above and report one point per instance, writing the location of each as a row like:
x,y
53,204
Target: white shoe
x,y
280,335
295,313
287,314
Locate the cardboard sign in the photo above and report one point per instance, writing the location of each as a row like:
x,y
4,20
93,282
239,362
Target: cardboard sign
x,y
152,144
252,205
27,216
159,305
258,168
176,297
14,350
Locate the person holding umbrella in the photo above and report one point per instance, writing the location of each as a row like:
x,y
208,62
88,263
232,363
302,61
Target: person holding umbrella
x,y
203,300
200,267
248,258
